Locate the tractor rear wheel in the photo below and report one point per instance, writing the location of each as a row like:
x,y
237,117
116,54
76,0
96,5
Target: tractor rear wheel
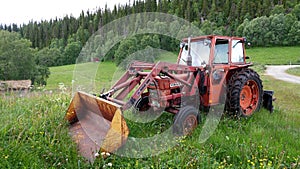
x,y
244,93
185,121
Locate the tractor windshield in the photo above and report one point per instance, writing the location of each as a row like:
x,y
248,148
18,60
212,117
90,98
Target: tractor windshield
x,y
199,51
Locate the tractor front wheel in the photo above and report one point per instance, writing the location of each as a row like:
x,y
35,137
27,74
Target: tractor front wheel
x,y
185,121
244,93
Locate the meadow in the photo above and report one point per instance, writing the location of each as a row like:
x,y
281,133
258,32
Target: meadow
x,y
34,133
294,71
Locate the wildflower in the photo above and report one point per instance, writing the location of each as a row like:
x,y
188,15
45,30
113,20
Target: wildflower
x,y
107,165
227,138
97,154
270,163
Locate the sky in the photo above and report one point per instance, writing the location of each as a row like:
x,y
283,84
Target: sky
x,y
23,11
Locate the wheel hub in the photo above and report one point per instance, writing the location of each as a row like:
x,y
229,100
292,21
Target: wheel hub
x,y
189,124
248,97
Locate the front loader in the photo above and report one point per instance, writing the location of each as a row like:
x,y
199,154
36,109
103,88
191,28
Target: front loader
x,y
210,70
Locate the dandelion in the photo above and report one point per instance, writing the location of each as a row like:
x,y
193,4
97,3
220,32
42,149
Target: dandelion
x,y
270,163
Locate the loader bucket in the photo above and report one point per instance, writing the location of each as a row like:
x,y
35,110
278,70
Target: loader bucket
x,y
96,125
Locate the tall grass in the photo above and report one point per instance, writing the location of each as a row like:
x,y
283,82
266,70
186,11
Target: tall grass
x,y
33,132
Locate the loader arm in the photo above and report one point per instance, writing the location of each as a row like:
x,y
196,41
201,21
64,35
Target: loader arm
x,y
142,74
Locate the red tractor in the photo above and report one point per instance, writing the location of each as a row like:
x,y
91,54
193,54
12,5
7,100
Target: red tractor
x,y
210,70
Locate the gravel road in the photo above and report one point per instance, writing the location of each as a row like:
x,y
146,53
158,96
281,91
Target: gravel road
x,y
278,72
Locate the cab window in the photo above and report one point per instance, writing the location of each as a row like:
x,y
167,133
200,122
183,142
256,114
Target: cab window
x,y
237,54
221,51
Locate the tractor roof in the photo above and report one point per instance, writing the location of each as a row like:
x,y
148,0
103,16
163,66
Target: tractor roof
x,y
214,36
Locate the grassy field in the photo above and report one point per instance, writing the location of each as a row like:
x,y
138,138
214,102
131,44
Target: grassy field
x,y
274,55
294,71
34,133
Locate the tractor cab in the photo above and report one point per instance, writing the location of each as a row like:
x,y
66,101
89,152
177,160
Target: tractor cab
x,y
212,50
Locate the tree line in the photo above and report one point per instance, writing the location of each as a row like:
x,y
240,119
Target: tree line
x,y
265,23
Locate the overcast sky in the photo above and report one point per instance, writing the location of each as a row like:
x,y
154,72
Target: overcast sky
x,y
22,11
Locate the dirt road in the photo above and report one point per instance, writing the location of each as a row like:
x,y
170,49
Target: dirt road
x,y
278,72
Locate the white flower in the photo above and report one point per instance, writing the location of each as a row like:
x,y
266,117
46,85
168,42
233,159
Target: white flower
x,y
97,154
107,165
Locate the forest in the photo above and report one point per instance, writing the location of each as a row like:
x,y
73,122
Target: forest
x,y
26,51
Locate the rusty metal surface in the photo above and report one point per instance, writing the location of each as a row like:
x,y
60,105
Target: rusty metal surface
x,y
96,125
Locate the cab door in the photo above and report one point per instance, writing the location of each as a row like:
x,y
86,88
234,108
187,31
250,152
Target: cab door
x,y
220,65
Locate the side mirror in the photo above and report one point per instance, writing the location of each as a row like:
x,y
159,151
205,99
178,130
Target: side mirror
x,y
186,47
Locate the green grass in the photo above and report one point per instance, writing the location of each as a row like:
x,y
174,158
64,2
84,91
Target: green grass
x,y
60,74
274,55
64,74
34,134
294,71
